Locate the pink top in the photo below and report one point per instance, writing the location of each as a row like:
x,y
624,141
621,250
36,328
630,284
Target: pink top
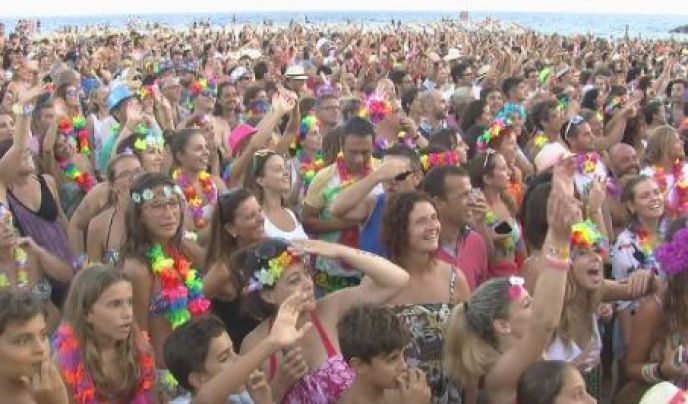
x,y
469,255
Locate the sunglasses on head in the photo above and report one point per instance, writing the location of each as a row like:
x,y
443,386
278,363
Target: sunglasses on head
x,y
260,157
488,153
576,120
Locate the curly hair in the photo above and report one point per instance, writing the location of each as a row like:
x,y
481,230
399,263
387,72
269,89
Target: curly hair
x,y
394,232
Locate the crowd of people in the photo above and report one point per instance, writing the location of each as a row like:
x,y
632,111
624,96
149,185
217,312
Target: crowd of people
x,y
314,214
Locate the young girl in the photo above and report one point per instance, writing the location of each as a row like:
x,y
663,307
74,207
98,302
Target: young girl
x,y
312,370
552,382
101,353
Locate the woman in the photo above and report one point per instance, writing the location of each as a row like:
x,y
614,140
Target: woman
x,y
664,162
656,349
490,173
500,331
149,146
70,95
237,223
102,355
313,370
106,235
450,139
99,123
66,152
410,233
201,103
501,136
577,339
26,266
552,382
476,113
307,158
154,251
200,188
269,180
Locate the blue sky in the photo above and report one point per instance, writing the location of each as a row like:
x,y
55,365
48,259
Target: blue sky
x,y
93,7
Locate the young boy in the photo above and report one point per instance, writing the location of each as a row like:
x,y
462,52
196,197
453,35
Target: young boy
x,y
201,357
26,373
372,341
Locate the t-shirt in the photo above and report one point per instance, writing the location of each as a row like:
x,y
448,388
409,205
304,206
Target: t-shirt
x,y
470,255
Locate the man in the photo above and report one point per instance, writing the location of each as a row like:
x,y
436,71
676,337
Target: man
x,y
400,171
6,126
327,111
460,246
674,93
434,111
514,88
353,163
172,92
579,137
548,120
655,115
225,114
623,164
296,79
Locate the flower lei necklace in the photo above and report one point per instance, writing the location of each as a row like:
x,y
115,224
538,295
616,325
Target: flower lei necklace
x,y
646,242
345,177
182,288
75,131
447,158
587,162
20,258
309,165
78,378
194,201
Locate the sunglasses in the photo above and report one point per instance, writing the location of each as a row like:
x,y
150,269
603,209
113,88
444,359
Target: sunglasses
x,y
403,176
488,153
576,120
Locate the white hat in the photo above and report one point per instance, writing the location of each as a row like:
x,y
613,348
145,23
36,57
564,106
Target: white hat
x,y
452,54
237,73
663,393
549,156
296,72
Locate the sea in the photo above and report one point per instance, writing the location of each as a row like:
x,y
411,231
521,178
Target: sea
x,y
599,25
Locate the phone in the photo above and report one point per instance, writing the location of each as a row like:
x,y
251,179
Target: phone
x,y
502,228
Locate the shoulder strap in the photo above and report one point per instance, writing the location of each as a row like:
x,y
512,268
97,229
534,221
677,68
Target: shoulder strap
x,y
327,344
452,284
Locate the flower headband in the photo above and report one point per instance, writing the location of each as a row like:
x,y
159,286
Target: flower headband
x,y
516,290
307,123
614,104
145,137
510,109
447,158
585,235
144,92
75,128
493,132
673,255
198,86
148,193
270,271
378,108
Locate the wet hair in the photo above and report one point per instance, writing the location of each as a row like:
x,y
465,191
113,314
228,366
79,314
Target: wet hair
x,y
394,229
434,182
222,244
542,382
359,127
471,344
402,150
180,140
244,263
369,331
657,145
186,349
18,307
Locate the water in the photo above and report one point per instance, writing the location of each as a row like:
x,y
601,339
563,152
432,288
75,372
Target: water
x,y
602,25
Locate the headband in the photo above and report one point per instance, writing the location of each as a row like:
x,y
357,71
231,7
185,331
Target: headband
x,y
148,194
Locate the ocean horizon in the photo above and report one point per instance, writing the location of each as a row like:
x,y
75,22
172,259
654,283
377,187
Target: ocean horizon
x,y
598,24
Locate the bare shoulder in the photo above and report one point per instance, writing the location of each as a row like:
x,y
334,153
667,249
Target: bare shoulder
x,y
254,337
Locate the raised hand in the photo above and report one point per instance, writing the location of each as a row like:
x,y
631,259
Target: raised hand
x,y
317,247
259,388
390,169
46,384
284,331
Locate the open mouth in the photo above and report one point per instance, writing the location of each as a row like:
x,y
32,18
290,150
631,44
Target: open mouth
x,y
432,235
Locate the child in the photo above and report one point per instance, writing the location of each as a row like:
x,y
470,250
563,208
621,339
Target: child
x,y
547,382
372,341
201,358
26,373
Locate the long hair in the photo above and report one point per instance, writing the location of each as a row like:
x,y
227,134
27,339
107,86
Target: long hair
x,y
657,145
471,344
139,240
85,290
222,244
576,316
255,170
394,230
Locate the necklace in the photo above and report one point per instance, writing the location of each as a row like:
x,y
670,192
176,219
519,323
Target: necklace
x,y
194,201
309,166
181,296
587,162
345,177
22,281
75,128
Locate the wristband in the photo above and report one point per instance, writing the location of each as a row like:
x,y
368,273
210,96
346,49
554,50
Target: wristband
x,y
557,263
562,253
650,373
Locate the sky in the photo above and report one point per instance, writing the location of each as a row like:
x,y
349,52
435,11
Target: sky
x,y
16,8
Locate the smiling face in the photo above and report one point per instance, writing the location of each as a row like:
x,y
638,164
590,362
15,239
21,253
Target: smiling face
x,y
151,159
587,269
423,228
23,346
112,314
195,155
647,200
276,178
297,278
248,221
499,178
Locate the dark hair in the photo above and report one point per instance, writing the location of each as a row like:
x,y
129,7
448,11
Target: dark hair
x,y
112,163
542,382
217,109
360,127
540,112
471,113
404,151
434,182
510,83
138,237
395,222
5,146
332,143
260,69
407,99
485,91
306,105
534,212
251,92
180,140
186,349
320,101
244,263
18,307
650,109
444,137
368,331
397,76
456,72
670,86
590,99
255,170
222,244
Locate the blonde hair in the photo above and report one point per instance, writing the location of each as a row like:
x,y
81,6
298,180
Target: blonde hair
x,y
569,321
85,290
471,344
659,142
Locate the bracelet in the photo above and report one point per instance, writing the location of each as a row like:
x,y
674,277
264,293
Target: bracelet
x,y
22,110
557,263
562,253
650,373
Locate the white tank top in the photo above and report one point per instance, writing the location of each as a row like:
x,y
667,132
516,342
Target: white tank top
x,y
275,232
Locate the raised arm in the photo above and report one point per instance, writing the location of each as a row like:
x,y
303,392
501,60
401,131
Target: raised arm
x,y
22,134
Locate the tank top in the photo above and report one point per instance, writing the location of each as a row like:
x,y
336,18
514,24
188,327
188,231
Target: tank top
x,y
369,238
275,232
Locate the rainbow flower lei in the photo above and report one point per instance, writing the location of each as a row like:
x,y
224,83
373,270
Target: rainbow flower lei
x,y
268,276
309,166
378,108
447,158
182,288
614,104
145,92
587,162
345,177
75,128
192,198
498,127
585,236
78,377
202,85
84,180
